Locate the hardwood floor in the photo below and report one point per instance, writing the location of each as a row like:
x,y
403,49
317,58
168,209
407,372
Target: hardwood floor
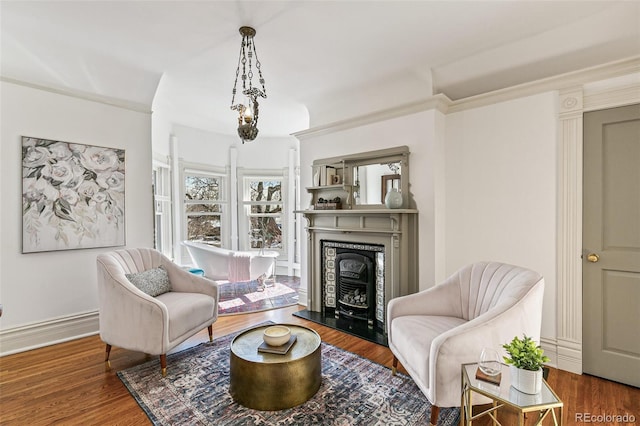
x,y
68,383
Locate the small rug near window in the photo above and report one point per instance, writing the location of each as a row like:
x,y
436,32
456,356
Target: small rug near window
x,y
354,391
245,297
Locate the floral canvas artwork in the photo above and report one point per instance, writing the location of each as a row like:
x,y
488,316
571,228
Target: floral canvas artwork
x,y
72,196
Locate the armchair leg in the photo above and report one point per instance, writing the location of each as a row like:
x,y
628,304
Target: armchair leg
x,y
394,368
435,410
163,364
210,329
106,356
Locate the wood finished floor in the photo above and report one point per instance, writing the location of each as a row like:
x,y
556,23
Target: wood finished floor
x,y
67,384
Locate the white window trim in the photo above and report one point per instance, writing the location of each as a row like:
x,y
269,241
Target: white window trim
x,y
243,215
204,170
163,196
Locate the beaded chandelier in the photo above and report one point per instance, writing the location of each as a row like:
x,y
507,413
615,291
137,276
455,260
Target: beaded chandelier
x,y
248,113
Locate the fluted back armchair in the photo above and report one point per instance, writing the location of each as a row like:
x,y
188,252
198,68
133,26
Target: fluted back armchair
x,y
434,331
164,307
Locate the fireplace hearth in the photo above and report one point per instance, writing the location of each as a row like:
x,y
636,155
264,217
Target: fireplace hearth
x,y
355,328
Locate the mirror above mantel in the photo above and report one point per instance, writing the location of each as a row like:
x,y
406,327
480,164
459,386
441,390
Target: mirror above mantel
x,y
372,182
362,180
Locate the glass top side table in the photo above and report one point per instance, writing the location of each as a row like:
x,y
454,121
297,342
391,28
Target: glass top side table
x,y
503,395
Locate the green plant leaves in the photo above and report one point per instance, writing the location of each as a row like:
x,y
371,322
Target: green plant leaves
x,y
525,353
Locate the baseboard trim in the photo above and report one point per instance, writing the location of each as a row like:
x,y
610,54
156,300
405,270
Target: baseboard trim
x,y
570,356
550,348
303,297
46,333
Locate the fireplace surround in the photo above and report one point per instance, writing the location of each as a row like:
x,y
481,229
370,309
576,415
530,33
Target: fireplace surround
x,y
389,235
352,277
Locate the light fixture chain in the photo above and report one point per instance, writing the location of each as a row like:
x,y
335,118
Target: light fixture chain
x,y
235,83
249,113
244,64
250,49
261,79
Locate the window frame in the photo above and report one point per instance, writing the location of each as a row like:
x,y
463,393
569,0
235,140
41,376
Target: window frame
x,y
162,207
245,204
200,170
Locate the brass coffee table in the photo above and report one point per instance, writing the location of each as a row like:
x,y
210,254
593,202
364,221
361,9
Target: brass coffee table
x,y
265,381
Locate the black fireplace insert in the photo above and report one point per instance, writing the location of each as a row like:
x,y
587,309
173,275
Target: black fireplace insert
x,y
355,282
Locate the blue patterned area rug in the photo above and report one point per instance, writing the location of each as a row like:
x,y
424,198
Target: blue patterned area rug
x,y
354,391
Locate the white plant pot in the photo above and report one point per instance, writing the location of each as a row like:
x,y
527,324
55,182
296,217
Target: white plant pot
x,y
526,381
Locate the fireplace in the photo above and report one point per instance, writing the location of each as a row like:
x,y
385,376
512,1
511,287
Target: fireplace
x,y
384,237
355,278
353,282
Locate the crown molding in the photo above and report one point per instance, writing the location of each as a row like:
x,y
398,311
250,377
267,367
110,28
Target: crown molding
x,y
115,102
624,95
438,102
610,98
558,82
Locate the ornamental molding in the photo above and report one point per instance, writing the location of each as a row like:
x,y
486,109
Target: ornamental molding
x,y
569,231
438,102
563,82
106,100
611,98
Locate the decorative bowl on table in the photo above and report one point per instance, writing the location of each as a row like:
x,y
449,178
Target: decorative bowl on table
x,y
276,335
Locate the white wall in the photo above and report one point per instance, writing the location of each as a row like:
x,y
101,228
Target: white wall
x,y
484,181
39,287
501,189
266,153
421,133
202,146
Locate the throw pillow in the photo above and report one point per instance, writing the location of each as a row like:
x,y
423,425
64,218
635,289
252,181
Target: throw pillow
x,y
154,281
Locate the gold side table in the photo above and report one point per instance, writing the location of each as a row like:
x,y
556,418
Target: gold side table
x,y
266,381
544,403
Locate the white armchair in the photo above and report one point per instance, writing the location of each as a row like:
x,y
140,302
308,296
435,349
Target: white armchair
x,y
135,320
434,331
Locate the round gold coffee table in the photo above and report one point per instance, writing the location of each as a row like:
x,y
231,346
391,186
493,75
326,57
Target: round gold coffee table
x,y
266,381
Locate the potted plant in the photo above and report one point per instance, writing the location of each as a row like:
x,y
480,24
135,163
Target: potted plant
x,y
525,360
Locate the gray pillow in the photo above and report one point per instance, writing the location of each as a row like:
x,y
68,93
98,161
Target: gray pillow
x,y
154,281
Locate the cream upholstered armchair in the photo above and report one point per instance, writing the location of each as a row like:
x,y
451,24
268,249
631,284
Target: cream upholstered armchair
x,y
434,331
164,307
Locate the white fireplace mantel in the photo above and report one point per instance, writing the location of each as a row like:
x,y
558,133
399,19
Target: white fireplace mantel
x,y
395,229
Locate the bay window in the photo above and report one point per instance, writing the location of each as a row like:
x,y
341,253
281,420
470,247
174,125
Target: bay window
x,y
263,202
205,218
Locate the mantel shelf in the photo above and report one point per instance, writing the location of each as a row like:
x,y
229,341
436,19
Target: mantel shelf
x,y
361,212
337,186
354,230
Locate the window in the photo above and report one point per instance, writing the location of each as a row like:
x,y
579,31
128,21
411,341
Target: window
x,y
162,207
263,203
204,204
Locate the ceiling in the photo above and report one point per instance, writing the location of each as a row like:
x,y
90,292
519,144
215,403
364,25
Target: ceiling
x,y
180,56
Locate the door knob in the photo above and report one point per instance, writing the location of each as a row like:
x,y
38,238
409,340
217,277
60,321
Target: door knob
x,y
593,258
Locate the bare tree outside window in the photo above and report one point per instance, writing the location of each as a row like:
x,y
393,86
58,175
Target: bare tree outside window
x,y
203,209
265,214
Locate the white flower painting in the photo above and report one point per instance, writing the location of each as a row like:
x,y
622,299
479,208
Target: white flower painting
x,y
72,196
